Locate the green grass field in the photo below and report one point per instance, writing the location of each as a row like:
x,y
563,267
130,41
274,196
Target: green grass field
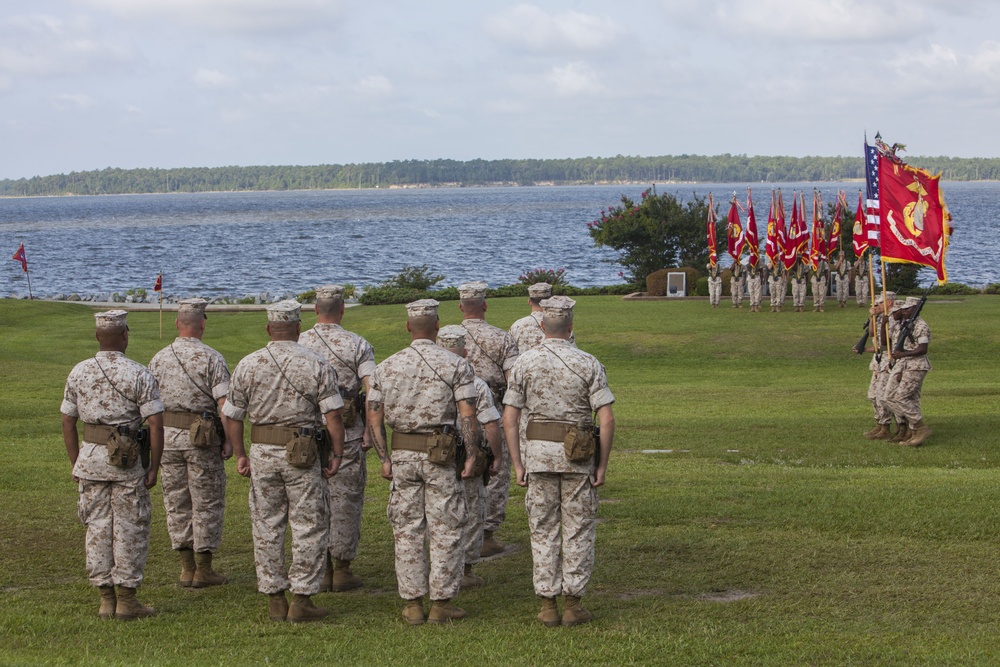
x,y
772,534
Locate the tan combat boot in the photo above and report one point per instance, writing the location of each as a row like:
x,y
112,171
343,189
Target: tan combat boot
x,y
880,432
342,579
549,615
490,546
204,575
443,611
574,613
921,431
277,606
128,607
108,603
902,434
470,580
187,567
413,612
302,610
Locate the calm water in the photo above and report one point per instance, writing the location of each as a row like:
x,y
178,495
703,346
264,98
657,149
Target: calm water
x,y
238,243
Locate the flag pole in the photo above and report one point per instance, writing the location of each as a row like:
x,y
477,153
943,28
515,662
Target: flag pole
x,y
161,309
28,273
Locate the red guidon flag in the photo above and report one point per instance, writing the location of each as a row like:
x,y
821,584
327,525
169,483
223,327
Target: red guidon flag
x,y
713,258
913,218
735,237
19,256
834,241
791,250
859,237
159,283
771,241
752,241
818,233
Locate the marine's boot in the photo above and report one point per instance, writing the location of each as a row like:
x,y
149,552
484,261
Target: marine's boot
x,y
204,575
921,431
342,578
327,585
549,615
880,432
490,546
277,606
574,613
902,435
413,612
822,309
443,611
187,567
128,607
302,610
470,580
108,603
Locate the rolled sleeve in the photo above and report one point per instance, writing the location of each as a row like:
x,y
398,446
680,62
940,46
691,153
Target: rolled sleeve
x,y
331,403
220,390
68,408
153,407
601,398
230,410
487,415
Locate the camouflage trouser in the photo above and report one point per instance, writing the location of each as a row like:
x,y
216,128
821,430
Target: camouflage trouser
x,y
843,287
756,291
782,290
902,395
562,518
798,293
772,287
714,290
116,515
876,394
346,492
282,495
427,505
475,503
861,289
498,491
736,290
194,497
819,286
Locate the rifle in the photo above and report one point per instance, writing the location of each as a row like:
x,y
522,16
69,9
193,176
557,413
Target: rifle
x,y
859,347
906,330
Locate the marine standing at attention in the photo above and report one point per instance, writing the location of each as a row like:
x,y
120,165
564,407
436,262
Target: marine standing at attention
x,y
820,284
112,395
420,392
353,358
842,281
798,275
527,331
861,286
560,387
714,284
773,282
736,283
755,287
289,394
194,381
452,338
491,353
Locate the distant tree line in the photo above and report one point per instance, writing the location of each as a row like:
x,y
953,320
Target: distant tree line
x,y
687,168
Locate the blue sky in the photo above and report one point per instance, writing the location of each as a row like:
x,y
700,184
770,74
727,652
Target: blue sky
x,y
88,84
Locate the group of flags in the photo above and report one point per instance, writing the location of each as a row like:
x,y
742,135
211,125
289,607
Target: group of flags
x,y
902,215
21,257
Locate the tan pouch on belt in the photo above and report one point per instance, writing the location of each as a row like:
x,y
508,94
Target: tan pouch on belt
x,y
123,450
579,444
300,452
441,448
350,412
203,434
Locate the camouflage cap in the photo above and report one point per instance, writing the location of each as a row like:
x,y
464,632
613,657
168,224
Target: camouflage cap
x,y
422,308
192,306
451,336
330,291
890,296
908,302
540,291
284,311
111,319
558,306
473,290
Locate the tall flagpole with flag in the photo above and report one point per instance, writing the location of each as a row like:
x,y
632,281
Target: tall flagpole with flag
x,y
19,256
158,287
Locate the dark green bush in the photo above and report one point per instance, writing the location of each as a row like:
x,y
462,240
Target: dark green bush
x,y
992,288
952,288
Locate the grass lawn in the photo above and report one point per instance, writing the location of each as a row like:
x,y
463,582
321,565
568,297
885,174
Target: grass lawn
x,y
771,533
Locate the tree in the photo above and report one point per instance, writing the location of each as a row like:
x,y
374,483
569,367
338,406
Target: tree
x,y
659,232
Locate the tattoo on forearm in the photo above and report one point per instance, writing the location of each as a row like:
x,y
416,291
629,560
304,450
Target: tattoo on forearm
x,y
470,429
378,442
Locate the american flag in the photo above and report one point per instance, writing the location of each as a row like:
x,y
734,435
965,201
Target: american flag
x,y
871,187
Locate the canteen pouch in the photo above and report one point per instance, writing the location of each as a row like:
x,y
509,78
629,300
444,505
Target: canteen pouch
x,y
204,433
350,412
300,452
441,448
123,450
579,444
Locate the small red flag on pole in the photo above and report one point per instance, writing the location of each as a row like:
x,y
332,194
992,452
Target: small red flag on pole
x,y
19,256
158,287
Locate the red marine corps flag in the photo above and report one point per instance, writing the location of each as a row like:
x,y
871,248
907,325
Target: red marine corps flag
x,y
735,237
818,232
753,242
790,251
713,257
20,256
913,218
771,242
860,238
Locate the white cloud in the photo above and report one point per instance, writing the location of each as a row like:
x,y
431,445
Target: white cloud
x,y
41,45
530,27
253,16
79,101
574,79
212,79
986,62
373,86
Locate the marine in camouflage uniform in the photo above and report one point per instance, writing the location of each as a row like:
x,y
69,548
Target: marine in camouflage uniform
x,y
110,392
194,380
714,284
491,352
353,358
861,281
909,367
820,284
798,276
560,387
736,283
527,331
452,338
286,391
420,392
879,366
755,286
842,280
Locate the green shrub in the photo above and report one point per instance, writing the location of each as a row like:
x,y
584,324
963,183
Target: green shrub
x,y
414,277
550,276
701,287
953,288
992,288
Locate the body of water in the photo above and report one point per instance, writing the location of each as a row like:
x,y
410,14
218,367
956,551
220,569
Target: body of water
x,y
239,243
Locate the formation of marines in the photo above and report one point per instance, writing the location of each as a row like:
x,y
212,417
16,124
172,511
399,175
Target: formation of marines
x,y
750,280
317,402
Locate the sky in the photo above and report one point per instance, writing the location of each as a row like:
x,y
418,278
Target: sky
x,y
90,84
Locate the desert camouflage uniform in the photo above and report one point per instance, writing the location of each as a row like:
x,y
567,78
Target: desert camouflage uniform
x,y
280,494
194,479
861,285
755,286
820,283
714,284
491,353
907,378
798,278
776,286
736,284
426,501
879,366
561,503
843,284
353,359
527,332
475,491
114,502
